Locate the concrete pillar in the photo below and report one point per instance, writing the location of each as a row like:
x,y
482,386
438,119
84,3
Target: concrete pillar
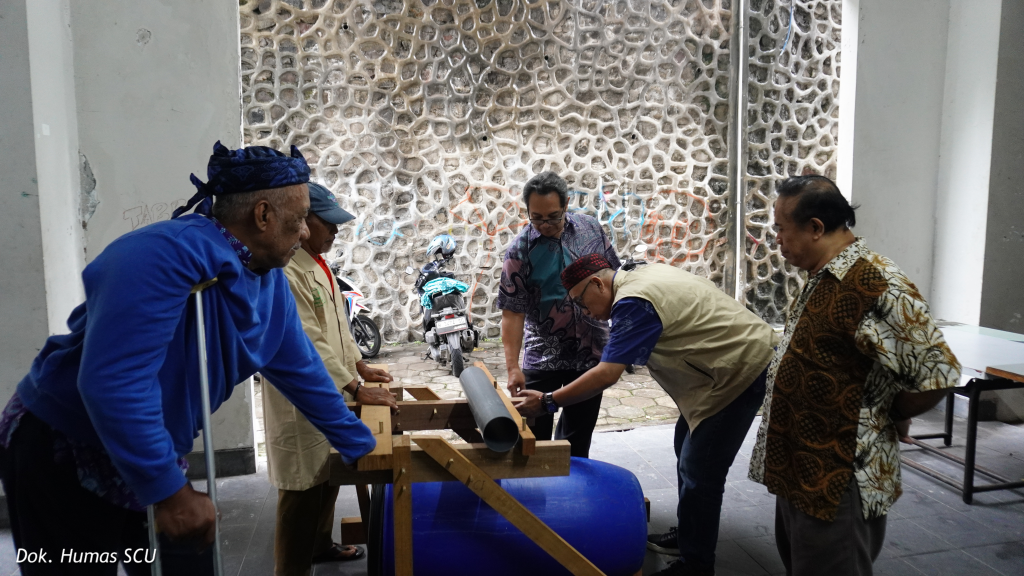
x,y
157,84
1002,291
965,151
1002,298
900,76
23,284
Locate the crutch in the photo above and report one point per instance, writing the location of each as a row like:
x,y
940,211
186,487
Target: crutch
x,y
211,473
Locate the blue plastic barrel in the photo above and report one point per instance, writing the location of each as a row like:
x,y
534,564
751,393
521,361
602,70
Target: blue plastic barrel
x,y
598,509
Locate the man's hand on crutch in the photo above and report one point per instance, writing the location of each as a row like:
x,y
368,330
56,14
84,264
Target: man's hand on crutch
x,y
187,515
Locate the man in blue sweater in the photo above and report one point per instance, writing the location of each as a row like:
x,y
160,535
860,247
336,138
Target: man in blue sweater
x,y
99,427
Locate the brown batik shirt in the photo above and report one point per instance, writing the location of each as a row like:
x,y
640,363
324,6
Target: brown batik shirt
x,y
858,334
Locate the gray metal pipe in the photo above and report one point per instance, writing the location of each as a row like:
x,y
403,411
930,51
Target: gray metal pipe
x,y
734,278
496,425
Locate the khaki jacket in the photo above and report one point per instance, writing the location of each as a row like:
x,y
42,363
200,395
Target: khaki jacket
x,y
296,451
711,347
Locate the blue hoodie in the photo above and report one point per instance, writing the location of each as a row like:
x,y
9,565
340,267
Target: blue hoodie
x,y
127,376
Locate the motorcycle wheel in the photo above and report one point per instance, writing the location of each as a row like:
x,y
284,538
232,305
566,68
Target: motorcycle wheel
x,y
455,351
367,336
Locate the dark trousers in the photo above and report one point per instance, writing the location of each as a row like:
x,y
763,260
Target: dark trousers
x,y
50,512
705,456
305,520
577,421
847,546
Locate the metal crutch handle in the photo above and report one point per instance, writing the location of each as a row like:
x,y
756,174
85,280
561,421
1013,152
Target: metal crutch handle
x,y
211,472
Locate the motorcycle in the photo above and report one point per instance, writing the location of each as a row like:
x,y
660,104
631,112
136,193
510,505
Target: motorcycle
x,y
447,329
364,331
632,263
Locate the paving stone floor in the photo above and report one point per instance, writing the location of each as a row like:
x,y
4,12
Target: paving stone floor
x,y
930,530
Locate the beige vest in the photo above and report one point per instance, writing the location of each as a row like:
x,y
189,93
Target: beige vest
x,y
711,347
296,451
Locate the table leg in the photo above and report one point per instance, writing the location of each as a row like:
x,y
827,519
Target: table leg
x,y
972,441
950,404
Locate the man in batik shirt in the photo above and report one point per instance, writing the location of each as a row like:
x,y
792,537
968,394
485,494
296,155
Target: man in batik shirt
x,y
859,357
560,343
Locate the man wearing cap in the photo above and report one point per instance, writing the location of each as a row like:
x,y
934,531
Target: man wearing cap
x,y
296,452
706,350
99,427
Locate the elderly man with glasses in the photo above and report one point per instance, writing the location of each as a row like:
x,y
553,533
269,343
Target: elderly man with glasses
x,y
560,343
706,350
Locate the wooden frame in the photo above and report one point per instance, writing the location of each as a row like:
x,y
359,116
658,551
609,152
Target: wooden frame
x,y
396,461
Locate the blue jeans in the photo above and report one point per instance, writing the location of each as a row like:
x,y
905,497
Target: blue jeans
x,y
705,456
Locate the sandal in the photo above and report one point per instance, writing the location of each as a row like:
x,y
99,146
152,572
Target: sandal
x,y
339,553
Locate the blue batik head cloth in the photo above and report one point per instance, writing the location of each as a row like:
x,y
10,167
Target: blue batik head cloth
x,y
245,170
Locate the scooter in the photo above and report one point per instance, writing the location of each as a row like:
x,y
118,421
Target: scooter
x,y
364,331
446,326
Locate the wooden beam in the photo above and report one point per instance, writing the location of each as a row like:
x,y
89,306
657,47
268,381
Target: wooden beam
x,y
353,531
518,515
528,445
402,493
378,420
422,393
551,459
428,415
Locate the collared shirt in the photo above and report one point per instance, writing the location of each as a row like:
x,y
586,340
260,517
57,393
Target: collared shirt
x,y
858,334
557,335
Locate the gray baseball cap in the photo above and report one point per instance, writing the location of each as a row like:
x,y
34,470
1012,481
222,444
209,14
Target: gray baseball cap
x,y
325,205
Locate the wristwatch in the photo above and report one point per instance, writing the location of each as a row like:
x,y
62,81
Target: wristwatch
x,y
548,402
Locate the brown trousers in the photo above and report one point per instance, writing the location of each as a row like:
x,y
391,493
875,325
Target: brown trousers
x,y
305,520
847,546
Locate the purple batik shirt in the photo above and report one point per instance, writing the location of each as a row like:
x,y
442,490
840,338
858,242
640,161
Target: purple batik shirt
x,y
557,335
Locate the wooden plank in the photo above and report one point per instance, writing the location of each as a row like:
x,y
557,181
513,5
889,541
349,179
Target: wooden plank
x,y
551,459
363,497
528,443
378,420
402,493
1013,372
353,531
422,393
428,415
518,515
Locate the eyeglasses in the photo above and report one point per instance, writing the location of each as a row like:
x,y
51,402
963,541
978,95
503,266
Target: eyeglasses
x,y
578,301
549,221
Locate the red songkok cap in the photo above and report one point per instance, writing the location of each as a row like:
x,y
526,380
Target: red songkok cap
x,y
582,268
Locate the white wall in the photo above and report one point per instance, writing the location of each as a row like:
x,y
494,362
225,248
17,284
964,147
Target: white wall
x,y
157,84
965,152
901,66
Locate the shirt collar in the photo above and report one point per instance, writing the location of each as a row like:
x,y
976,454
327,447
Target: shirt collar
x,y
570,222
845,260
240,249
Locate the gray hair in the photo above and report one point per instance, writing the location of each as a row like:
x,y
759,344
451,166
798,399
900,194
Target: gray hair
x,y
544,184
230,208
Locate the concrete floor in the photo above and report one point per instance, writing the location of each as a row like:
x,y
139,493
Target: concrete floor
x,y
930,530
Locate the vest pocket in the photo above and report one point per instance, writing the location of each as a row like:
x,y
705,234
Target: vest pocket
x,y
699,370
